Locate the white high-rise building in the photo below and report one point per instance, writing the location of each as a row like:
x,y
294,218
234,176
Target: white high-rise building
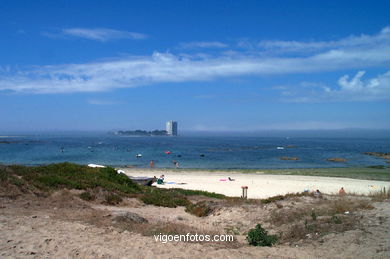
x,y
171,128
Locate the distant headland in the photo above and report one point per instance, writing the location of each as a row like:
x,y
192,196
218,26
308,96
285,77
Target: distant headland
x,y
171,130
141,133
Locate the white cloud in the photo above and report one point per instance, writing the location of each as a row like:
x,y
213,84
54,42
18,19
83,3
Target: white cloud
x,y
166,67
383,37
348,90
203,44
376,88
101,34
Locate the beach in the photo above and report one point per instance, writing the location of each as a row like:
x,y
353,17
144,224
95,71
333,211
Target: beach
x,y
260,185
44,213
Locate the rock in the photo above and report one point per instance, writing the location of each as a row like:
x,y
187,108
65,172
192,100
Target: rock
x,y
336,159
125,216
289,158
291,146
378,154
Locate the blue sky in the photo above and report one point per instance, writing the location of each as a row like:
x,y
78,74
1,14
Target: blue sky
x,y
211,65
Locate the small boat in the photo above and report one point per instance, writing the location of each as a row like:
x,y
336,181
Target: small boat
x,y
138,155
146,181
167,152
279,147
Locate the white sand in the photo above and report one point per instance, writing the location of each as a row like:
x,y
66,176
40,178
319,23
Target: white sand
x,y
259,185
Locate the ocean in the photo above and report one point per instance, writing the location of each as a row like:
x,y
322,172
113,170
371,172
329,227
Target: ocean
x,y
191,151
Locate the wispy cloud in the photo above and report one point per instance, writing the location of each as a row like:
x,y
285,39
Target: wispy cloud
x,y
383,37
347,90
99,34
203,44
167,67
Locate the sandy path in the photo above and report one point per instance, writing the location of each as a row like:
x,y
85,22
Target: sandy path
x,y
259,185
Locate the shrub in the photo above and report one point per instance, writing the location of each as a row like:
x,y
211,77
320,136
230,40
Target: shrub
x,y
313,215
200,209
164,198
113,199
72,176
87,196
197,192
258,236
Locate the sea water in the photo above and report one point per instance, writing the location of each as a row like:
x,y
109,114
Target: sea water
x,y
191,151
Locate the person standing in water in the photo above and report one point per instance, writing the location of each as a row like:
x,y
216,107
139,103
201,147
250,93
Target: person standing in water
x,y
151,164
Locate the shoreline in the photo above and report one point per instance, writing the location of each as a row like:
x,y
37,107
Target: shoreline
x,y
361,173
260,184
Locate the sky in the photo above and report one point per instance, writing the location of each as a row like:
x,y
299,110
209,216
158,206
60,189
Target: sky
x,y
210,65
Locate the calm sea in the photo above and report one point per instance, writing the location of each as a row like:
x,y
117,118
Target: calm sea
x,y
191,152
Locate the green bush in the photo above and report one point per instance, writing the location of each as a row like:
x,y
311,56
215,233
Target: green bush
x,y
258,236
164,198
87,196
73,176
197,192
200,209
113,199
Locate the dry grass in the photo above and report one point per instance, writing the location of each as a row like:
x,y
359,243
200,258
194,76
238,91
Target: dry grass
x,y
383,194
318,217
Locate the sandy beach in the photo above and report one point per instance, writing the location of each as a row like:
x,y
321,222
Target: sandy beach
x,y
61,221
259,185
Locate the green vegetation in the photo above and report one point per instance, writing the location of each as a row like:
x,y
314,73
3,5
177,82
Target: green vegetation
x,y
73,176
113,199
164,198
200,209
284,197
258,236
200,193
103,184
142,133
87,196
319,217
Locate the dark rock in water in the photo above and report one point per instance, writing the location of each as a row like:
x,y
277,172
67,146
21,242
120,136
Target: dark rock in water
x,y
336,159
130,217
378,154
291,146
289,158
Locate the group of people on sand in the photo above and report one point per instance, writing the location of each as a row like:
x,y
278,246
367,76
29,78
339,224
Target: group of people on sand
x,y
318,193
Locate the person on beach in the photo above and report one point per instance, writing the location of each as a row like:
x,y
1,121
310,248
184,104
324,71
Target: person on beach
x,y
342,191
151,164
175,163
317,193
161,179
